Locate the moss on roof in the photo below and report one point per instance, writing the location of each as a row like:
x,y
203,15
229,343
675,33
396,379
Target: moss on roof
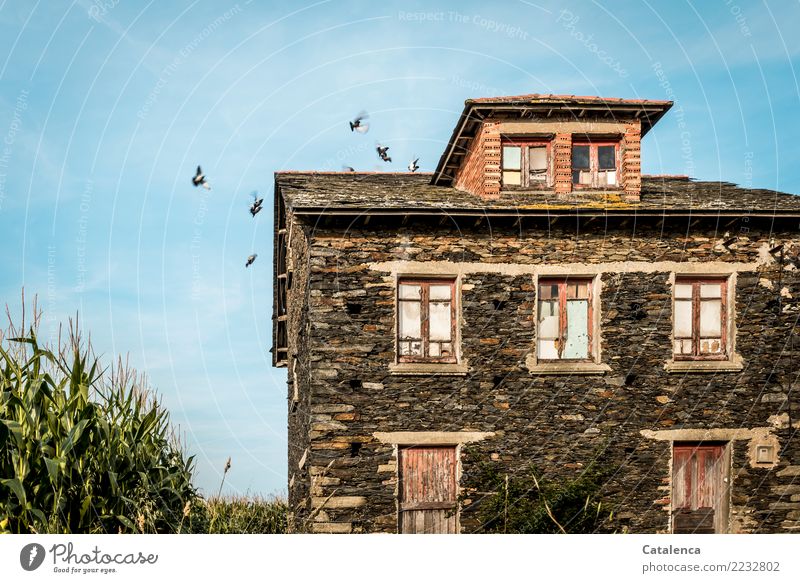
x,y
340,191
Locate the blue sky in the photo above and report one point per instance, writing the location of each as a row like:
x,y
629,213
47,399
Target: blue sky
x,y
107,106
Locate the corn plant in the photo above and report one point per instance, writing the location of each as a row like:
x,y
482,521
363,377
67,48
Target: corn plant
x,y
84,449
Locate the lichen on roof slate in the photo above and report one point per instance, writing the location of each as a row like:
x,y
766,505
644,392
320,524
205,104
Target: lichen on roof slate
x,y
394,191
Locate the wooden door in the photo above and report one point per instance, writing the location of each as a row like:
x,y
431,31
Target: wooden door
x,y
428,490
699,488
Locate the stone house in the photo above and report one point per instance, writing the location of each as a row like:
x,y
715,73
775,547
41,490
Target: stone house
x,y
537,300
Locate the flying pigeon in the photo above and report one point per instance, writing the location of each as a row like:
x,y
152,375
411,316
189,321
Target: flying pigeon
x,y
413,166
382,153
199,179
251,260
348,169
255,208
358,125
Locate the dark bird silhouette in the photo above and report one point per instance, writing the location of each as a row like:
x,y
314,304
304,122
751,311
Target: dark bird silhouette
x,y
199,179
358,125
413,166
382,153
348,169
255,208
251,260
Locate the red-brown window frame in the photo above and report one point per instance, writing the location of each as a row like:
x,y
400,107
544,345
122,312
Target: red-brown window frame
x,y
696,337
562,283
594,164
524,170
424,320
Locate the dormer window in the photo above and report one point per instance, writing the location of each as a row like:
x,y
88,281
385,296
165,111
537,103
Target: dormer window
x,y
526,164
595,164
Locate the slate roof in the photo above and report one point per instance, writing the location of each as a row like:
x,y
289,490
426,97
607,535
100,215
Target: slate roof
x,y
406,193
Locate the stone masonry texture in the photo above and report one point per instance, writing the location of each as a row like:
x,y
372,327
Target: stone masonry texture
x,y
341,335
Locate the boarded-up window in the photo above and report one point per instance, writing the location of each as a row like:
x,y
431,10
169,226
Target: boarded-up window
x,y
426,321
526,164
594,164
699,488
565,314
699,327
428,490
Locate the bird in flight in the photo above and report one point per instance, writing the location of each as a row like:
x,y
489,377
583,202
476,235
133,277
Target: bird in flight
x,y
382,153
413,166
256,207
348,169
358,125
199,179
250,260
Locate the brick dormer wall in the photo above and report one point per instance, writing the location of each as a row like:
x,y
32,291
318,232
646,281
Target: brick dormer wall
x,y
632,161
562,163
480,172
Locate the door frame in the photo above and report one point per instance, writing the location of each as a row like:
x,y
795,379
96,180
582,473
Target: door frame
x,y
722,521
457,493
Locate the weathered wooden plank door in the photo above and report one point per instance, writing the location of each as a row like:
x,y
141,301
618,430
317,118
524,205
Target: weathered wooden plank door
x,y
699,488
428,490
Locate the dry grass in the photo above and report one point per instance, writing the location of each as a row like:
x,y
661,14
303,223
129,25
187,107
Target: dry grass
x,y
238,515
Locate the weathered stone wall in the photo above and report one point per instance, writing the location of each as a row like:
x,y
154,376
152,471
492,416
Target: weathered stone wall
x,y
560,423
298,373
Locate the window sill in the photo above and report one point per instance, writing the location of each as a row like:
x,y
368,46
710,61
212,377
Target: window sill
x,y
429,369
566,368
704,366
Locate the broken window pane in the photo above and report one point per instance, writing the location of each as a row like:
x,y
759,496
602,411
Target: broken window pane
x,y
578,291
710,318
547,349
440,321
683,290
537,163
710,346
537,156
584,177
577,341
606,159
512,158
512,178
440,292
411,348
410,320
683,319
548,291
410,292
548,319
710,290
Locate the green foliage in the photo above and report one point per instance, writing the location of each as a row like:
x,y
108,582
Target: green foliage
x,y
84,449
526,503
238,515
